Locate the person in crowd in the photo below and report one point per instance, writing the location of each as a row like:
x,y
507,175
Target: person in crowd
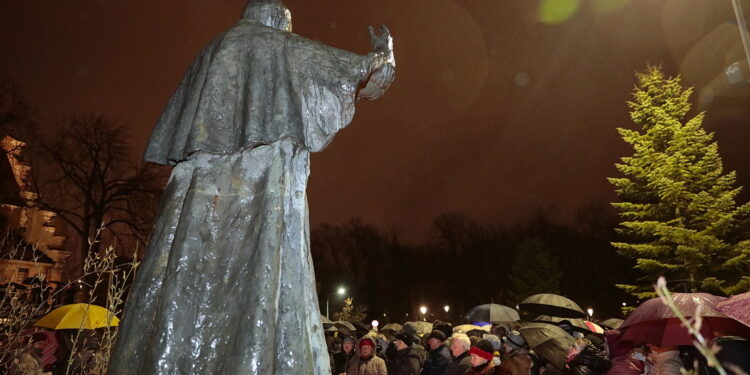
x,y
586,359
512,341
632,363
366,363
665,360
340,359
29,360
481,359
497,344
439,357
403,360
733,353
517,362
416,345
460,345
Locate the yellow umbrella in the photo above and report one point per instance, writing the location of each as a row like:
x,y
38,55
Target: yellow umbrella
x,y
78,316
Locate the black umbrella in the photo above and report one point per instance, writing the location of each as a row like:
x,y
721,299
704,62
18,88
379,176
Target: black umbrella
x,y
492,312
551,305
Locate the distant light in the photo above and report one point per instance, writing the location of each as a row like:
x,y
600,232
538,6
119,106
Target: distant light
x,y
446,308
423,310
375,324
341,291
624,304
590,311
384,314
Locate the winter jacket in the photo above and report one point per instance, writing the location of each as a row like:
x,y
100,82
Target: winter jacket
x,y
590,361
626,365
485,369
370,366
666,363
460,364
373,365
403,362
340,360
437,361
733,352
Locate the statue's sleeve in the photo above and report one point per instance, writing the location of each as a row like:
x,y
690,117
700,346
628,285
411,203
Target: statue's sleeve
x,y
325,81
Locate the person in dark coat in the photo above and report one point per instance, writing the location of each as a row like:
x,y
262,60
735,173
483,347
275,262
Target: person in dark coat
x,y
439,356
341,358
403,361
733,353
481,359
460,345
586,359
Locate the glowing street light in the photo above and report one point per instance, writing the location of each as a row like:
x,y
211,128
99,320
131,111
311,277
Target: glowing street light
x,y
446,308
423,310
340,291
591,312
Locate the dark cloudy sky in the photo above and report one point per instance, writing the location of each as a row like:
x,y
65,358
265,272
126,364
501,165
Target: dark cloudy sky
x,y
493,112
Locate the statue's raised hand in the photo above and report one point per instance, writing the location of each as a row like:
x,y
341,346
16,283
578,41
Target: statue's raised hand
x,y
383,42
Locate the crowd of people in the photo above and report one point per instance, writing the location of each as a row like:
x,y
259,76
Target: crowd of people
x,y
503,350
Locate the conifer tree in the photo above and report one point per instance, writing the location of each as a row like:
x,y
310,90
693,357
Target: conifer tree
x,y
678,210
533,271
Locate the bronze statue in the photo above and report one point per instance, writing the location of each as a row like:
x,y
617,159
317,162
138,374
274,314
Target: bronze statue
x,y
227,285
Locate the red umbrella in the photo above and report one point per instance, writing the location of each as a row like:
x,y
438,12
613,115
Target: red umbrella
x,y
737,307
655,323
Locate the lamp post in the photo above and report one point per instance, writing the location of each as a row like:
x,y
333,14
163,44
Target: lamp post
x,y
340,291
423,310
591,313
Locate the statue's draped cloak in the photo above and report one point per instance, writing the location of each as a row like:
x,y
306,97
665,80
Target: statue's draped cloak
x,y
227,283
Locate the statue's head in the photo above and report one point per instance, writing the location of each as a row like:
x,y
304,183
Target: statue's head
x,y
272,13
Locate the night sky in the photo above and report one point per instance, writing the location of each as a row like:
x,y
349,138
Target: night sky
x,y
494,112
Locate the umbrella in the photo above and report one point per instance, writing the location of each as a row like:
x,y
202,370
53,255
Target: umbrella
x,y
593,327
549,341
327,323
419,328
576,324
736,307
345,324
395,327
464,328
612,323
492,312
653,322
552,305
78,316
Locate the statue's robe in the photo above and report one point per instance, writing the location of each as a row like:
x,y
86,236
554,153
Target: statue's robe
x,y
227,283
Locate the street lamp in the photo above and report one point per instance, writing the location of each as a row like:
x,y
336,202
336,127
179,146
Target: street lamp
x,y
446,308
340,291
591,312
423,310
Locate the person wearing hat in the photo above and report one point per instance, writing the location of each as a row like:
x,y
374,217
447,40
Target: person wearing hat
x,y
481,358
403,361
340,359
513,341
366,363
439,356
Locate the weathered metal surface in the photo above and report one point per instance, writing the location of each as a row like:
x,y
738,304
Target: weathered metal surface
x,y
227,285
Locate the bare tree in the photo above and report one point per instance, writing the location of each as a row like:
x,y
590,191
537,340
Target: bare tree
x,y
15,112
85,173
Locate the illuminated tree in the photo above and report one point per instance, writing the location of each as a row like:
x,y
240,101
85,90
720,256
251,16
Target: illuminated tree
x,y
678,210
